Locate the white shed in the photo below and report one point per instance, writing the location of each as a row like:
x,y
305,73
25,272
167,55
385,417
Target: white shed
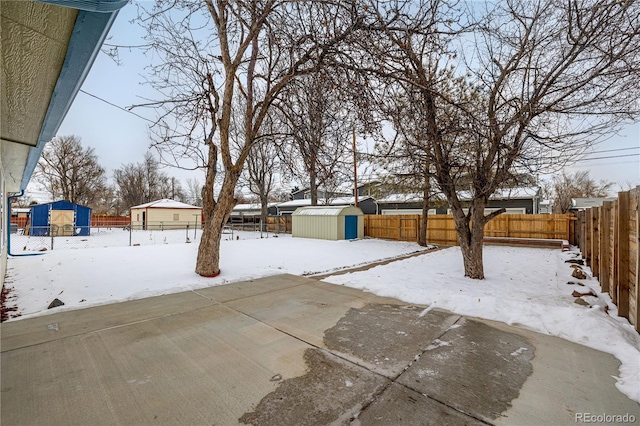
x,y
328,222
165,214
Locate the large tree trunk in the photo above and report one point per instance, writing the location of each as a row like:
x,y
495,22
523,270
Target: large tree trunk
x,y
422,234
264,211
208,262
313,186
470,237
472,248
214,215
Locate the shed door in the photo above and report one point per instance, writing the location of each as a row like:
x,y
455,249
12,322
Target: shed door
x,y
61,222
350,227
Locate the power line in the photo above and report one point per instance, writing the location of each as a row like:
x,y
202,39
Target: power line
x,y
116,106
612,164
612,150
609,156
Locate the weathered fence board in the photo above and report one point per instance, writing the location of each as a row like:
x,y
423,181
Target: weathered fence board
x,y
614,230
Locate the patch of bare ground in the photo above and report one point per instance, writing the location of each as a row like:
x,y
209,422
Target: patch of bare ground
x,y
8,307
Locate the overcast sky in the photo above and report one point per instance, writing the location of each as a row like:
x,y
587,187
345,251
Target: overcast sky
x,y
119,137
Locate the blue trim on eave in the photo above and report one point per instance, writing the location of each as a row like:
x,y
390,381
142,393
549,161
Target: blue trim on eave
x,y
100,6
89,32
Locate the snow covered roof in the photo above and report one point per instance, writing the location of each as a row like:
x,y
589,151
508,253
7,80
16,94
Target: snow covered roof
x,y
252,206
401,198
344,201
585,203
507,193
165,203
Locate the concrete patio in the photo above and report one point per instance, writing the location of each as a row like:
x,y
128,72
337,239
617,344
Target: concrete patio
x,y
291,350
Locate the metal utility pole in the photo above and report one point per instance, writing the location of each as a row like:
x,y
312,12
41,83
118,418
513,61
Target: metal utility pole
x,y
355,166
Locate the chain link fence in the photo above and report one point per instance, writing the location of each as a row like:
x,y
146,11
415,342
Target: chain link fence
x,y
55,237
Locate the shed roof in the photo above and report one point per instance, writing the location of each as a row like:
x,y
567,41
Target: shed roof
x,y
319,211
59,203
322,210
165,203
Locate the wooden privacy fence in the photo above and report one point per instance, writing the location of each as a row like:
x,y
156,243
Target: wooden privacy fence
x,y
608,239
441,228
279,224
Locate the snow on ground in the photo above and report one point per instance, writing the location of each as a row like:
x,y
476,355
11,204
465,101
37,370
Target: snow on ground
x,y
523,286
93,276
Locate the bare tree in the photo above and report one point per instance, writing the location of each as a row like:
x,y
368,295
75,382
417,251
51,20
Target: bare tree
x,y
543,80
139,183
71,172
406,158
319,129
577,185
262,163
214,51
194,192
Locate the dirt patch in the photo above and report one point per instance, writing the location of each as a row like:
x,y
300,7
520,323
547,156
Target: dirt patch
x,y
8,309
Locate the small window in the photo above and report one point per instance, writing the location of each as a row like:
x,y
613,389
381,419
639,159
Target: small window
x,y
138,217
176,216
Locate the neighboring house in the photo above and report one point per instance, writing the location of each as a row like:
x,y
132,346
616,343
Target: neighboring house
x,y
48,51
578,204
545,207
251,212
405,204
20,212
59,218
366,204
165,214
514,200
371,189
523,200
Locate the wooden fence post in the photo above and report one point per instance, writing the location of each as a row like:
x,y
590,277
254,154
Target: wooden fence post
x,y
623,254
583,231
605,245
588,231
613,290
636,207
595,242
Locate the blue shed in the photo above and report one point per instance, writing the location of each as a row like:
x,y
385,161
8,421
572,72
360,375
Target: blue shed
x,y
60,218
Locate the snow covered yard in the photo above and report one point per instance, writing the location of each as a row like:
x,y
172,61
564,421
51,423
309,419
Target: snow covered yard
x,y
523,286
93,276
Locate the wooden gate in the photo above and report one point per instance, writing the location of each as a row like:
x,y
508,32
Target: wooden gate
x,y
61,222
